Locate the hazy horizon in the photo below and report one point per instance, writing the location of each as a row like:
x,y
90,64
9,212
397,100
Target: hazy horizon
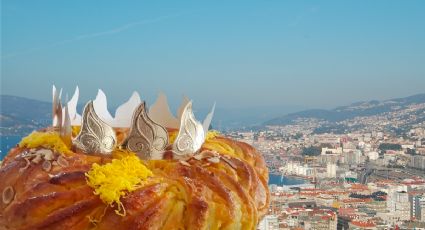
x,y
174,104
238,54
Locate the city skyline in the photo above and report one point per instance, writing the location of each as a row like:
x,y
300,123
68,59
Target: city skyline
x,y
314,55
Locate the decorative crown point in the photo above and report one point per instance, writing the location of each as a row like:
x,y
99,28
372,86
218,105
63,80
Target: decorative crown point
x,y
191,135
72,108
147,138
66,130
123,114
100,104
161,114
95,135
207,121
56,108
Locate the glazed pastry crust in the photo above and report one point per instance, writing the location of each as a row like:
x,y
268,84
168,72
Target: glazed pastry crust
x,y
196,194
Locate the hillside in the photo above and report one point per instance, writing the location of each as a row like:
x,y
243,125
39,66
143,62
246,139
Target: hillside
x,y
406,111
21,115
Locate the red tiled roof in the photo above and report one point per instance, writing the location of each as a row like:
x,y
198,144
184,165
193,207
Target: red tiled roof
x,y
356,200
413,183
363,224
346,210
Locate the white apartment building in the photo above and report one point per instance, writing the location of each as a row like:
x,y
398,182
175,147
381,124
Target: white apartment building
x,y
296,168
398,203
331,170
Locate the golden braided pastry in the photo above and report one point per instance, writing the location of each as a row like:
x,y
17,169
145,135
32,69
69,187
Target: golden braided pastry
x,y
196,194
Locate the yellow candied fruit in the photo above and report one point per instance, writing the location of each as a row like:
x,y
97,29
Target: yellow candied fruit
x,y
50,140
75,130
212,134
111,181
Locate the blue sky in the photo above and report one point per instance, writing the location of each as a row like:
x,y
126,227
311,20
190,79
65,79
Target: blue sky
x,y
237,53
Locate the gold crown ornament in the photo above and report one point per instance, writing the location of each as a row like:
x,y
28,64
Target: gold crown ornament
x,y
147,135
147,138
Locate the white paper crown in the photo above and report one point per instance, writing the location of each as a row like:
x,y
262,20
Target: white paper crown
x,y
143,124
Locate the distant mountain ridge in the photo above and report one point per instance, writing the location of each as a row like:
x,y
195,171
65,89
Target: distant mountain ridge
x,y
19,115
368,108
24,110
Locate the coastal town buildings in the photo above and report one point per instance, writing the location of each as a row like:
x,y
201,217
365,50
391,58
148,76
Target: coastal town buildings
x,y
362,178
